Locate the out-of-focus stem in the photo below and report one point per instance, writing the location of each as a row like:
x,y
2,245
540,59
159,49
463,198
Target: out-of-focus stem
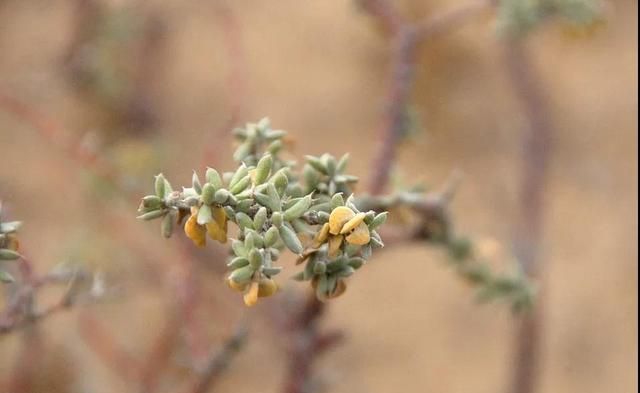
x,y
536,144
406,38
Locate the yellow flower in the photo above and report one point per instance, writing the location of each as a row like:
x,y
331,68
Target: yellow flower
x,y
195,231
217,228
343,224
251,296
12,242
252,291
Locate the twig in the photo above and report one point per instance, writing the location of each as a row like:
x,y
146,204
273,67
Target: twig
x,y
406,38
21,310
307,343
219,360
528,232
53,133
98,339
385,13
140,110
236,78
159,355
187,287
27,362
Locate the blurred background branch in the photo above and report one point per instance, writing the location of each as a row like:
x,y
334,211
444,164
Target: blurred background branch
x,y
140,85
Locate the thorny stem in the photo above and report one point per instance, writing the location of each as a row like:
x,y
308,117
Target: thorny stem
x,y
104,345
160,353
402,75
236,78
528,235
220,359
307,343
186,288
406,38
20,311
51,131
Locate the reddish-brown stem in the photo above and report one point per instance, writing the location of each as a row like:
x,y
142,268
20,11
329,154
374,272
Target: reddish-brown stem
x,y
401,80
97,338
385,13
54,134
536,144
219,361
406,38
20,311
236,79
26,362
159,355
140,110
307,343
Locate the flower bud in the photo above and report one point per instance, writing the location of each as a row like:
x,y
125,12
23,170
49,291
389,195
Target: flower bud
x,y
213,177
255,259
337,200
152,215
271,236
298,209
239,174
244,221
151,202
208,194
263,169
265,200
237,263
317,164
260,218
242,275
168,223
241,185
195,182
378,220
8,255
290,239
221,196
276,219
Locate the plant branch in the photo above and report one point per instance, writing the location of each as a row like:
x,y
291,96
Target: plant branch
x,y
236,78
220,360
536,146
307,342
405,41
21,310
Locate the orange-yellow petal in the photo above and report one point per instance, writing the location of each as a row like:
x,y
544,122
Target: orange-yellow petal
x,y
234,285
220,217
360,236
12,242
217,229
339,216
267,287
251,297
352,223
195,232
321,236
334,245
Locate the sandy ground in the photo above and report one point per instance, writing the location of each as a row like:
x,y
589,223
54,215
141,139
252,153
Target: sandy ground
x,y
318,70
